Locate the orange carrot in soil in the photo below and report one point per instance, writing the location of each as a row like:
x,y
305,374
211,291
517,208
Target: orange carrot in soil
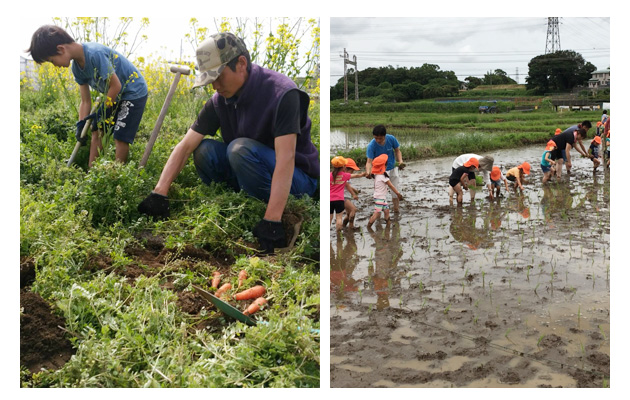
x,y
255,306
252,293
223,289
241,277
216,278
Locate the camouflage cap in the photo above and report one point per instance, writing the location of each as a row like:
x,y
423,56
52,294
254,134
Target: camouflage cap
x,y
213,53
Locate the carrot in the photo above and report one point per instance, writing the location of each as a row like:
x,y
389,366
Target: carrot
x,y
223,289
216,278
241,277
255,306
252,293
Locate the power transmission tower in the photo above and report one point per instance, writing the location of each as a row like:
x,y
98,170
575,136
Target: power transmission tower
x,y
553,35
346,61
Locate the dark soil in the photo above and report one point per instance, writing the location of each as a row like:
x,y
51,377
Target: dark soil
x,y
43,342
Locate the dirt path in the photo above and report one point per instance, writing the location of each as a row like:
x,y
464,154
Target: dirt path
x,y
512,292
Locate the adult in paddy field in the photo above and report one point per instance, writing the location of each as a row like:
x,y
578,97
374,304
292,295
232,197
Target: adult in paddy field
x,y
567,140
570,138
266,149
485,167
384,143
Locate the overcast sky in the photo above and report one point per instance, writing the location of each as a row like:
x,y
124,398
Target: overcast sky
x,y
466,46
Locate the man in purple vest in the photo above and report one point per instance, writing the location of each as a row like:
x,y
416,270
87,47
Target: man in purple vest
x,y
266,149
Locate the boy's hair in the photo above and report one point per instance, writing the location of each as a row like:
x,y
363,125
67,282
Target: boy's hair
x,y
582,132
379,130
45,41
587,124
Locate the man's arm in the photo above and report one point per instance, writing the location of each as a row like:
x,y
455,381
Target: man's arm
x,y
177,160
567,151
282,176
368,167
398,155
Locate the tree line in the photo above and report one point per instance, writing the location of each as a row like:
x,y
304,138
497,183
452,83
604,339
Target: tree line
x,y
555,72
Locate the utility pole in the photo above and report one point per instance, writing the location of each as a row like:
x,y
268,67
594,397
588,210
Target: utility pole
x,y
346,61
517,75
553,35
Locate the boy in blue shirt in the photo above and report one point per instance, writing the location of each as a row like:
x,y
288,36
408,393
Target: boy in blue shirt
x,y
383,143
108,72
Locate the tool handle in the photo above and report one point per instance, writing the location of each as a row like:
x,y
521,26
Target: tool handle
x,y
83,133
181,70
160,120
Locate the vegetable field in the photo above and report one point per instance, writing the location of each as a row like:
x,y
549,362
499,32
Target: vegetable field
x,y
106,293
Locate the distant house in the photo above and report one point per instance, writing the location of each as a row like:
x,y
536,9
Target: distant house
x,y
27,69
600,79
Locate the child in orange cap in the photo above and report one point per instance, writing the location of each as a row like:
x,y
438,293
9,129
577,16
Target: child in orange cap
x,y
594,151
338,180
496,176
351,209
381,185
459,178
517,175
558,131
548,165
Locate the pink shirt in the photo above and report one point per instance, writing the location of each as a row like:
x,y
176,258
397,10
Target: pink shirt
x,y
337,187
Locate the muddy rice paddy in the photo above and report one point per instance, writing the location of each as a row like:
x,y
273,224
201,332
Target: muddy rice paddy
x,y
513,292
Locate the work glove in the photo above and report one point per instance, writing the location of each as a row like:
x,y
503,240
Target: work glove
x,y
270,235
80,126
155,205
402,166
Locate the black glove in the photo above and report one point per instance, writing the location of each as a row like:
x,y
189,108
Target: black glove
x,y
270,235
155,205
82,140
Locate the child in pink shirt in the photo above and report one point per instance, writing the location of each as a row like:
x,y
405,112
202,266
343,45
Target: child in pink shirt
x,y
338,179
381,186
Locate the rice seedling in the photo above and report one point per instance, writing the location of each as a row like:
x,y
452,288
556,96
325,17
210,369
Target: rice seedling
x,y
447,308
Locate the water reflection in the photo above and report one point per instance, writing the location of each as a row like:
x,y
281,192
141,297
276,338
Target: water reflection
x,y
383,267
343,261
464,228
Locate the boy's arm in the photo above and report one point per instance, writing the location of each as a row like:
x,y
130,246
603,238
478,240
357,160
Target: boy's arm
x,y
507,188
361,175
114,89
368,167
86,101
398,155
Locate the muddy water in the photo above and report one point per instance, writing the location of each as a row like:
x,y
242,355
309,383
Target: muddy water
x,y
506,293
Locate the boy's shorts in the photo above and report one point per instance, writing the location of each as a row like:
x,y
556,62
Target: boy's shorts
x,y
380,205
496,183
337,206
545,168
511,178
453,182
126,119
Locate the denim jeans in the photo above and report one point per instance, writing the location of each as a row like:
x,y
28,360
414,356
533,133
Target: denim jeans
x,y
247,165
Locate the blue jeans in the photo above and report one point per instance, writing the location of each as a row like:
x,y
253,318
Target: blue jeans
x,y
247,165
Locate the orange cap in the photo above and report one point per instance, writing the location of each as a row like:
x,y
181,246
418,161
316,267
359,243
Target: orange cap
x,y
525,212
525,167
379,163
351,164
496,173
599,123
597,140
550,145
338,162
558,131
472,162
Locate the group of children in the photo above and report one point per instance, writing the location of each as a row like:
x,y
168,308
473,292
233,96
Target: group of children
x,y
340,182
463,172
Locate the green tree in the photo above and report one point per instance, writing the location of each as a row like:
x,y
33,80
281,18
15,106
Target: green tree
x,y
558,72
